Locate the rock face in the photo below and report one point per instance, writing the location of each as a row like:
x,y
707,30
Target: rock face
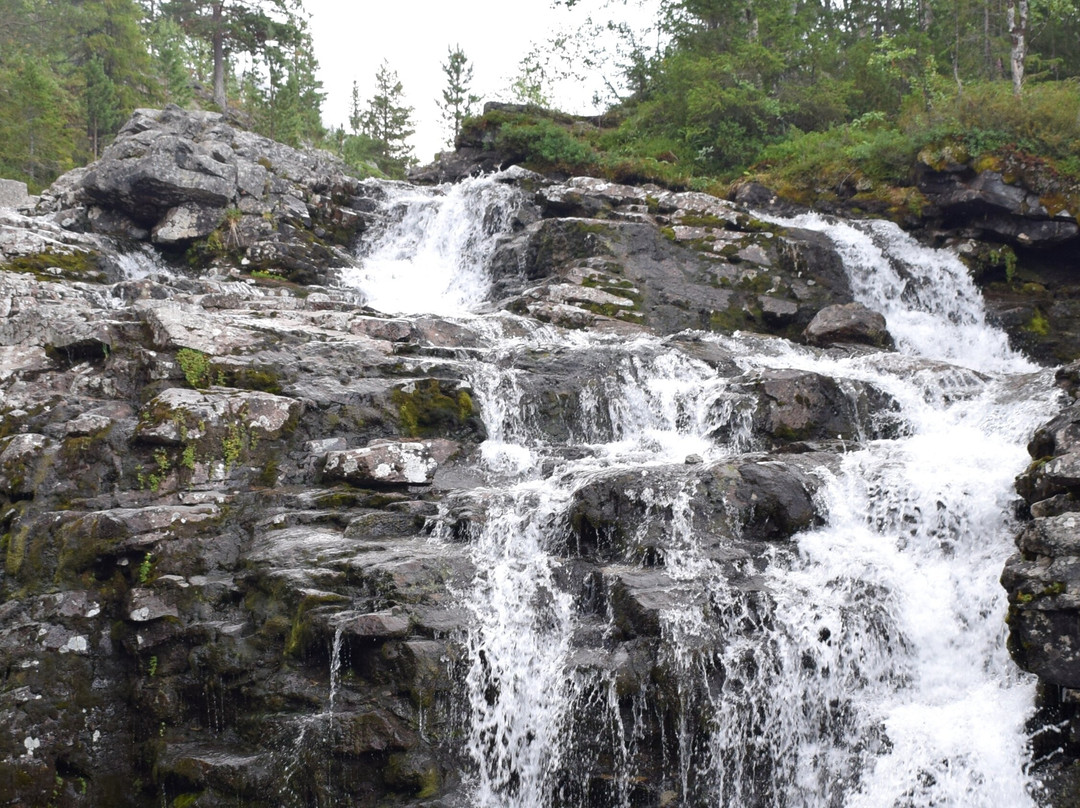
x,y
1023,211
1043,580
604,253
189,181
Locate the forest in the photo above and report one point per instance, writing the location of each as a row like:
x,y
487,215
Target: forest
x,y
800,93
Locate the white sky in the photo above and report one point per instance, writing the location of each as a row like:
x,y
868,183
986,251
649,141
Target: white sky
x,y
352,37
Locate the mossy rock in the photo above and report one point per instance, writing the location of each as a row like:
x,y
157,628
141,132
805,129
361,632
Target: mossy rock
x,y
429,408
50,265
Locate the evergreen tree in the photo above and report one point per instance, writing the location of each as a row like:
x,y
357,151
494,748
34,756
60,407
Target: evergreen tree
x,y
171,61
37,144
356,116
103,111
281,91
457,101
388,122
228,27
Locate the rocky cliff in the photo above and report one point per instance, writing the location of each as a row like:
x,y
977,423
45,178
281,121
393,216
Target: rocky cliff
x,y
237,506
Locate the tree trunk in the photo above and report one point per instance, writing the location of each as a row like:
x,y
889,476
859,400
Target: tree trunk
x,y
1016,15
218,41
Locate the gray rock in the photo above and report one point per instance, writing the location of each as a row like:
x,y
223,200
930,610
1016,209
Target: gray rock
x,y
185,223
384,464
20,459
12,193
849,323
178,415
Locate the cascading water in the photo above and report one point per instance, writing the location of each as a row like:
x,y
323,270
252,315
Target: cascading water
x,y
430,254
862,665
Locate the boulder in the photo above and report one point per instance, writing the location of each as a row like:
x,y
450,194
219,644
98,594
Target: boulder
x,y
190,179
12,193
848,323
787,407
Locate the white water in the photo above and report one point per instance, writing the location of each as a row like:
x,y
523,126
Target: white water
x,y
431,254
867,668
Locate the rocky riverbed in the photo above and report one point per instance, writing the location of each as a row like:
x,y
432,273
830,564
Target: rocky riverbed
x,y
240,508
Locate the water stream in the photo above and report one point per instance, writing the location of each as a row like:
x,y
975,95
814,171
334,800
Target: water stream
x,y
865,665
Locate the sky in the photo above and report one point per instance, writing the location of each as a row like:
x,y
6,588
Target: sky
x,y
352,37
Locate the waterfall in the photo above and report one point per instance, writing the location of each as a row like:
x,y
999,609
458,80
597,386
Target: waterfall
x,y
860,665
430,253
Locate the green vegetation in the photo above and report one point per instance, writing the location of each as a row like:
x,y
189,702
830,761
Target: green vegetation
x,y
50,266
72,72
426,410
145,567
380,132
198,372
232,445
820,104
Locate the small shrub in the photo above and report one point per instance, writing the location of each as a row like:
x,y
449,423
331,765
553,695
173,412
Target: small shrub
x,y
544,143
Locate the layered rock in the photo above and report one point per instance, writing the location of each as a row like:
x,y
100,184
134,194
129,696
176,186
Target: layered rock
x,y
605,254
1043,583
191,182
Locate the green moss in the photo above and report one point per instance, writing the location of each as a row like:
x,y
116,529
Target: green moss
x,y
50,265
1038,324
703,220
249,378
16,542
429,784
301,633
427,410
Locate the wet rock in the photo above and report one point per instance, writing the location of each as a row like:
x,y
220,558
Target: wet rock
x,y
998,209
791,406
848,323
639,599
375,625
639,517
1043,578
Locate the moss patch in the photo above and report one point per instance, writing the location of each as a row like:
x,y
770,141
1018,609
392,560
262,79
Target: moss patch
x,y
426,409
50,266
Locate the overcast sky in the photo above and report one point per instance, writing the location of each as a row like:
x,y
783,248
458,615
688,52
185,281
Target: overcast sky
x,y
353,37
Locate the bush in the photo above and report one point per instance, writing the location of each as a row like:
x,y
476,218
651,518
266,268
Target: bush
x,y
544,144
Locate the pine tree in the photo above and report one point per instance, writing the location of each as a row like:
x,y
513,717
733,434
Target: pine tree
x,y
457,101
36,144
103,111
388,122
174,76
356,117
